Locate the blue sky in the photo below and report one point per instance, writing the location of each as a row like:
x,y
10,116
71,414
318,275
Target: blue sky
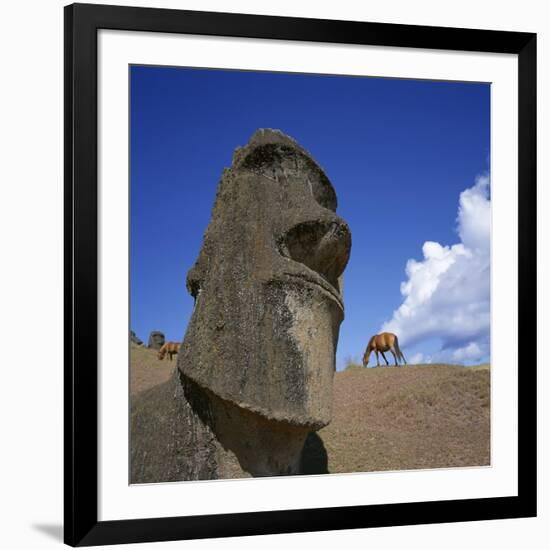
x,y
408,160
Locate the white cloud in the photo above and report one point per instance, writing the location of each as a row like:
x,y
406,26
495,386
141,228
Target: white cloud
x,y
467,353
447,294
417,358
474,216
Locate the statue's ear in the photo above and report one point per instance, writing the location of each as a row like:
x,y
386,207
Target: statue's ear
x,y
197,275
195,278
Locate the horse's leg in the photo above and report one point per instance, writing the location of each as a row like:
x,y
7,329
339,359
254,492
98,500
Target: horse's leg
x,y
387,364
394,356
377,358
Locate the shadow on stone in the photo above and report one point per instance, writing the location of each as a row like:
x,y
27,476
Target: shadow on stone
x,y
314,455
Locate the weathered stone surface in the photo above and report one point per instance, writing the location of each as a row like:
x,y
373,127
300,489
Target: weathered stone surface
x,y
256,366
171,440
156,339
175,437
135,339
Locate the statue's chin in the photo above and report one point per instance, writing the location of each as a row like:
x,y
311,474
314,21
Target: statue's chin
x,y
273,352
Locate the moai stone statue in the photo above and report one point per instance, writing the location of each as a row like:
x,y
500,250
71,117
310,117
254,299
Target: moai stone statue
x,y
255,371
156,339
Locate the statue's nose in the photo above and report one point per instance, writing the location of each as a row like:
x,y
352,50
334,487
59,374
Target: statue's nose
x,y
321,245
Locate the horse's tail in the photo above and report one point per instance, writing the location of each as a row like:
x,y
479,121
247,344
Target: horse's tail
x,y
399,352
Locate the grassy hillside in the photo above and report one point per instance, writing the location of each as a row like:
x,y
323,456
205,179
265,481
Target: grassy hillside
x,y
422,416
388,418
146,370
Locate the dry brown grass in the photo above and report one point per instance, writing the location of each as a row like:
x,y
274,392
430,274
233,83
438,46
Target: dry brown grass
x,y
422,416
388,418
147,370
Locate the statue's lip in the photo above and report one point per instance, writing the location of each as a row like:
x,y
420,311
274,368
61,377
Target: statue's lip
x,y
319,281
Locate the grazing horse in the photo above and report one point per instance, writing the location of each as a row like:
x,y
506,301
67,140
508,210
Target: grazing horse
x,y
381,343
170,348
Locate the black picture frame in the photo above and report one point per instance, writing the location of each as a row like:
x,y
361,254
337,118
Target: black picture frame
x,y
81,25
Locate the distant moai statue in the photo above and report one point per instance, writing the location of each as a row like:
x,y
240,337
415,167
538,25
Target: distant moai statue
x,y
255,372
156,339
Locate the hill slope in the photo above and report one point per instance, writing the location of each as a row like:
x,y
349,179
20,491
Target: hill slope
x,y
429,416
422,416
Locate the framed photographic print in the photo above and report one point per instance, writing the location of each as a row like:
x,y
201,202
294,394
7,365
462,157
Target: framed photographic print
x,y
300,257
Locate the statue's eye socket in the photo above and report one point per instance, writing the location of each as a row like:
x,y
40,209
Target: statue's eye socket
x,y
323,192
270,158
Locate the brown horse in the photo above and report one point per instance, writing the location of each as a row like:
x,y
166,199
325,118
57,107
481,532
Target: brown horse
x,y
170,348
381,343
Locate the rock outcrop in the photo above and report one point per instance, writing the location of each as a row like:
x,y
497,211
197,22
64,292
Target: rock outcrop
x,y
134,339
255,370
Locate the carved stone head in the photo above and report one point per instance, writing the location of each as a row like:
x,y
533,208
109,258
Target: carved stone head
x,y
267,286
